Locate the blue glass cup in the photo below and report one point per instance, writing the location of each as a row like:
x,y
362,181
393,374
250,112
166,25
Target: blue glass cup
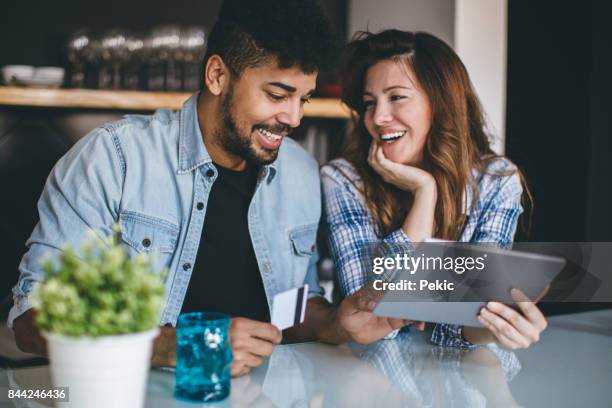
x,y
203,357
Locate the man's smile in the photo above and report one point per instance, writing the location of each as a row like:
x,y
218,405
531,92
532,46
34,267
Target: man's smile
x,y
269,140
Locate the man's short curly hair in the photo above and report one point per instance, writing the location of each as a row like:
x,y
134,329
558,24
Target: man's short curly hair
x,y
249,33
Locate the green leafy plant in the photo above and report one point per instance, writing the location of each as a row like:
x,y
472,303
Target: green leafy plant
x,y
99,291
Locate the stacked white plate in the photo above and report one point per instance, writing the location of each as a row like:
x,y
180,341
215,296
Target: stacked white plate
x,y
27,75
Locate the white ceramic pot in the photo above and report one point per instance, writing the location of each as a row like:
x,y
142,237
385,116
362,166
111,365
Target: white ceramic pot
x,y
107,371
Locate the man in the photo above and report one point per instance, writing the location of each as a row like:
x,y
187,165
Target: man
x,y
230,206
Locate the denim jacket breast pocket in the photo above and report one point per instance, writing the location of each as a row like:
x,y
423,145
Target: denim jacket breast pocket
x,y
303,242
149,235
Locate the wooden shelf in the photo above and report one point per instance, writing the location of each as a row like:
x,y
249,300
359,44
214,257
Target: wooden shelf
x,y
133,100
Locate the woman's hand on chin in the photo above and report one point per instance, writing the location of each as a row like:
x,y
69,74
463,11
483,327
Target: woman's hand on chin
x,y
404,177
419,222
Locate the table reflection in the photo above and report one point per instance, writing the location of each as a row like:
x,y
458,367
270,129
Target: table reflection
x,y
569,367
405,371
443,376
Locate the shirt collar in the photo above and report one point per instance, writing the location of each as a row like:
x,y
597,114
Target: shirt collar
x,y
192,151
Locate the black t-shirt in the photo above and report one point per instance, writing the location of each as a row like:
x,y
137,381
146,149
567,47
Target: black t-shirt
x,y
226,276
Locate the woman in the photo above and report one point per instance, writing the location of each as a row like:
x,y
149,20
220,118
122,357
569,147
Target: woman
x,y
418,165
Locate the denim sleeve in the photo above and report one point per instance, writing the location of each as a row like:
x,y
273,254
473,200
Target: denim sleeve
x,y
82,192
312,278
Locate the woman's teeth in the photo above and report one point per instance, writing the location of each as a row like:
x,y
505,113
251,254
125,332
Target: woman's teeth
x,y
269,135
388,137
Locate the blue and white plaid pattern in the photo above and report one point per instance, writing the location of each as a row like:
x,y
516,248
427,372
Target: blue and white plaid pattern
x,y
408,365
352,228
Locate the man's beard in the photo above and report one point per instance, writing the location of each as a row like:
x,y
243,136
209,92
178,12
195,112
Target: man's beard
x,y
242,146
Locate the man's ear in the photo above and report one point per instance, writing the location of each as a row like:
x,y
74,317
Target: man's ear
x,y
216,74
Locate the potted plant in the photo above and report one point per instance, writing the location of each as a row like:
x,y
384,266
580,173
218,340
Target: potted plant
x,y
99,310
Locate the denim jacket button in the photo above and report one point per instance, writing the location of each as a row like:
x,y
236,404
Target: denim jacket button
x,y
186,266
210,173
200,206
146,242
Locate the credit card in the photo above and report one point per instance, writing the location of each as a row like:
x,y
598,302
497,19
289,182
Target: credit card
x,y
289,307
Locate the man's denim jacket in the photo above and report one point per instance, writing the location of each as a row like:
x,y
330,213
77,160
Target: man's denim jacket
x,y
153,175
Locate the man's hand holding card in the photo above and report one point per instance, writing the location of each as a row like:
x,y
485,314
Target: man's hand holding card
x,y
289,307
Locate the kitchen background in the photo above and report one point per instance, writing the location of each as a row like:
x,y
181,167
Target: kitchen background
x,y
541,68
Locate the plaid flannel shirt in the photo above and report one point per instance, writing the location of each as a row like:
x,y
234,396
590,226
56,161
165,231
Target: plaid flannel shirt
x,y
408,365
493,219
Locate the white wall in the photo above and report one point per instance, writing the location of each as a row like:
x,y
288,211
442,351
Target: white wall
x,y
476,28
481,42
434,16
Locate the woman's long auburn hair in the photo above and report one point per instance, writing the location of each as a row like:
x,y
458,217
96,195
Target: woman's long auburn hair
x,y
455,145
